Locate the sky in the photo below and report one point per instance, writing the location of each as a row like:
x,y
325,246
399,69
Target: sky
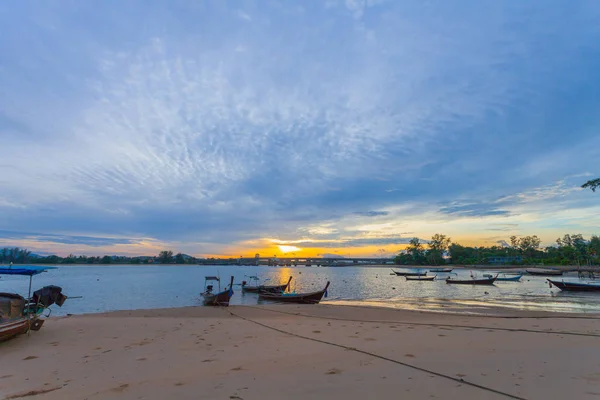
x,y
307,128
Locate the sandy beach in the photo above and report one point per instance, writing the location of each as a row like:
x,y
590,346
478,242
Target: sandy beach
x,y
298,352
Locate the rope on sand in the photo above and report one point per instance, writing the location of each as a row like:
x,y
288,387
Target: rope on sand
x,y
341,346
430,324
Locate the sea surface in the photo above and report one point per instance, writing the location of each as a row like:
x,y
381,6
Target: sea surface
x,y
123,287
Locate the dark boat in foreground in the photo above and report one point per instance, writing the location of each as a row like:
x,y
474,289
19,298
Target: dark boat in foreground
x,y
264,288
473,281
221,298
19,315
410,273
576,286
420,278
303,298
544,272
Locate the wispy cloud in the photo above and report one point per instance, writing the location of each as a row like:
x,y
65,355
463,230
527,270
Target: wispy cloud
x,y
208,126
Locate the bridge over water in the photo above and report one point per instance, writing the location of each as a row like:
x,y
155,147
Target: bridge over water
x,y
312,261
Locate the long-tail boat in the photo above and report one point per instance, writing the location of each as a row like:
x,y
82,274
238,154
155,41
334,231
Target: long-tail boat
x,y
472,281
264,288
440,269
303,298
420,278
544,271
505,277
575,286
410,273
19,315
221,297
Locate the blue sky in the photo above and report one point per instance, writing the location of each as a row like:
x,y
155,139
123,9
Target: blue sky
x,y
347,127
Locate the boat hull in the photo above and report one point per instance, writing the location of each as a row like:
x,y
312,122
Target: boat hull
x,y
301,298
404,273
544,272
18,326
264,288
441,270
420,278
220,299
510,279
471,281
575,287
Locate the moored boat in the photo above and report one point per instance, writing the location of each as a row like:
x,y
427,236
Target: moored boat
x,y
220,298
575,286
472,281
420,278
441,269
410,273
544,271
303,298
505,277
264,288
19,315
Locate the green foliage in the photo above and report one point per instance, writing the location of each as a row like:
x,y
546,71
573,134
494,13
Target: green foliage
x,y
571,249
165,257
179,259
14,255
592,184
438,245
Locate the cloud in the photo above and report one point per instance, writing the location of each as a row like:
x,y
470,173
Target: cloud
x,y
354,242
371,213
206,126
66,239
472,210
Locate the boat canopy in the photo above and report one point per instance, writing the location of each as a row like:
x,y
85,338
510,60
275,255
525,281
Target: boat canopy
x,y
211,278
24,270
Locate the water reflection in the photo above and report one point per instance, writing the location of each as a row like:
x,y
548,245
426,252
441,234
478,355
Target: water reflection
x,y
133,287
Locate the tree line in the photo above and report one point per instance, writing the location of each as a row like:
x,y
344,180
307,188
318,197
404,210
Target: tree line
x,y
571,249
17,255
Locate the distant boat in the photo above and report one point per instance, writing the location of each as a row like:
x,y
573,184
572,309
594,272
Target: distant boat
x,y
472,281
440,269
576,286
410,273
544,271
505,278
420,278
221,298
264,288
303,298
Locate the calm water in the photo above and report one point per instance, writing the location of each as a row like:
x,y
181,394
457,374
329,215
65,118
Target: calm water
x,y
106,288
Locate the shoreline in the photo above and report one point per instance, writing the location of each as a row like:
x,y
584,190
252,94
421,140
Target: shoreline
x,y
314,351
496,311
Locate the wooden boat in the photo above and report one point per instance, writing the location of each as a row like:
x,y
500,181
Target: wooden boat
x,y
505,277
220,298
440,269
303,298
420,278
410,273
575,286
264,288
544,272
18,326
473,281
19,315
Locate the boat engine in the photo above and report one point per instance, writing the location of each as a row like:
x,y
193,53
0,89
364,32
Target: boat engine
x,y
49,295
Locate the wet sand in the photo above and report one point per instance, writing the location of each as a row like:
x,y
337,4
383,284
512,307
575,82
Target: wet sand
x,y
299,352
